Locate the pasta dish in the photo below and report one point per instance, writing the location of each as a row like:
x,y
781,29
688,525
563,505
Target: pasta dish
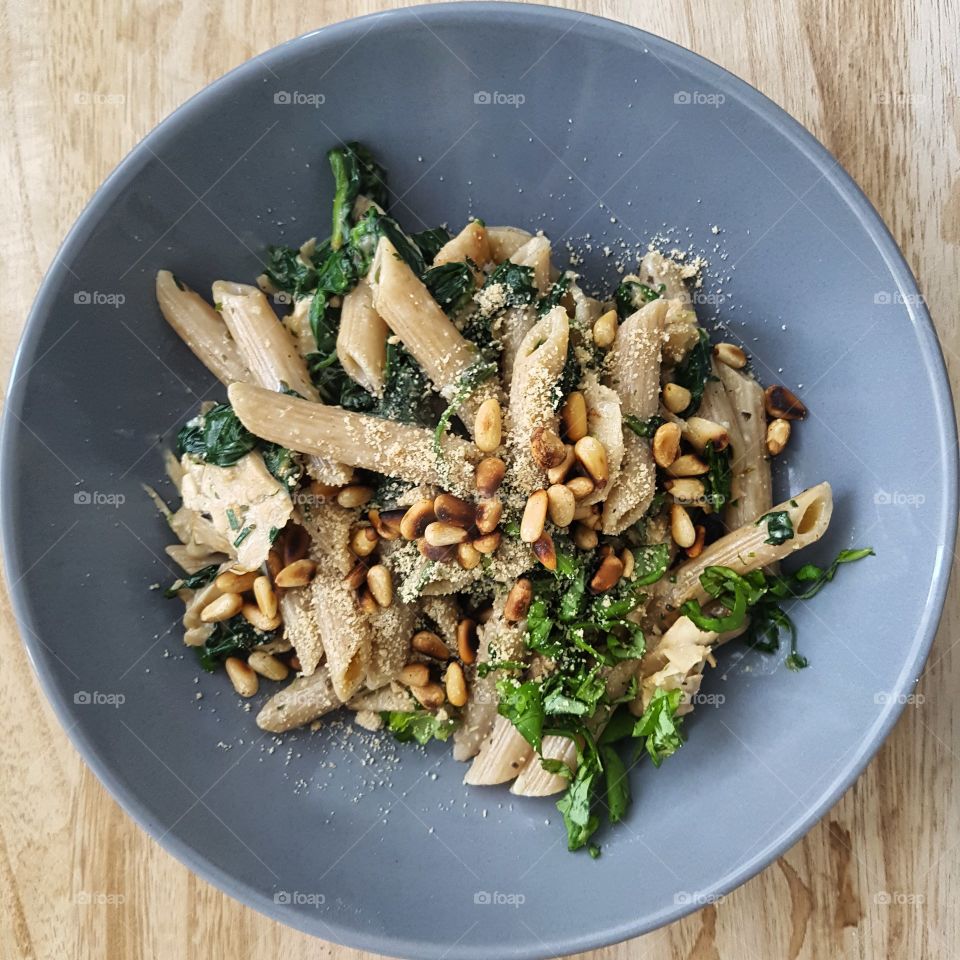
x,y
456,494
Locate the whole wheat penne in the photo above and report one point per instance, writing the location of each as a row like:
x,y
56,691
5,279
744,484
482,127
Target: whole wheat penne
x,y
362,339
302,701
505,242
501,758
470,243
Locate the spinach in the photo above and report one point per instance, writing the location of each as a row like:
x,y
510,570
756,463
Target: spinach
x,y
650,563
522,705
719,478
694,372
429,242
229,638
476,374
417,725
554,295
355,172
517,282
570,376
406,391
216,437
631,295
576,805
779,527
660,726
450,284
192,582
287,272
282,463
643,428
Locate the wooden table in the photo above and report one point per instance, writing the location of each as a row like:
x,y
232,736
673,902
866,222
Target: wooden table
x,y
876,81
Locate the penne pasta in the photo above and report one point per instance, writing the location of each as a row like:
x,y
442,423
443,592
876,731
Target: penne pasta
x,y
470,244
302,701
362,339
505,242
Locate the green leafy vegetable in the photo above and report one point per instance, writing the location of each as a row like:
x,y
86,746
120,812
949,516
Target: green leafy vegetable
x,y
476,374
694,373
229,638
554,295
192,582
418,725
407,396
429,242
516,281
288,272
779,527
355,172
719,478
282,463
660,726
644,428
650,563
216,437
522,705
631,295
450,284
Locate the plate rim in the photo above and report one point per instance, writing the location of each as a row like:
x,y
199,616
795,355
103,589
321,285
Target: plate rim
x,y
931,354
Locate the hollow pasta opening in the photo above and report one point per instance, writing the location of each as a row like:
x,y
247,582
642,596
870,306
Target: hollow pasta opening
x,y
811,516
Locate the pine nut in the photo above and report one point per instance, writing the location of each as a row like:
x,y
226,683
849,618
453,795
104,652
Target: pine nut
x,y
605,329
559,474
468,556
544,551
629,562
294,544
230,582
585,537
608,574
605,551
430,645
562,505
323,491
783,404
666,444
697,548
681,526
355,495
244,680
363,541
267,665
698,432
451,509
253,615
415,675
581,487
264,595
430,696
416,520
488,515
593,458
489,475
467,640
488,543
686,490
534,516
518,600
380,583
689,465
676,398
574,414
367,603
297,574
223,608
731,355
386,522
437,554
584,511
357,576
488,426
439,534
274,562
547,448
456,685
295,664
484,615
778,433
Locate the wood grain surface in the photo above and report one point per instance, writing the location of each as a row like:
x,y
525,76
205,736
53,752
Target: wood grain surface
x,y
876,81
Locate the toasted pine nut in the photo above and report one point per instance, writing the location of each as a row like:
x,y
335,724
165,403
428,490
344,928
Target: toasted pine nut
x,y
267,665
297,574
547,448
451,509
253,615
437,554
357,575
223,608
440,534
559,474
778,433
489,475
416,520
367,602
689,465
323,491
581,487
488,543
584,511
484,615
544,550
386,522
230,582
415,675
266,598
608,574
467,640
686,490
585,537
534,516
430,645
593,457
468,556
274,562
698,432
456,685
295,664
430,696
518,600
697,548
562,504
681,526
605,329
731,355
356,495
363,541
294,543
488,425
676,398
488,515
666,444
606,550
628,561
783,404
244,680
380,582
574,414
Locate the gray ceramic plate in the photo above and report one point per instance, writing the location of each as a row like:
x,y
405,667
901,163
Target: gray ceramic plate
x,y
523,115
